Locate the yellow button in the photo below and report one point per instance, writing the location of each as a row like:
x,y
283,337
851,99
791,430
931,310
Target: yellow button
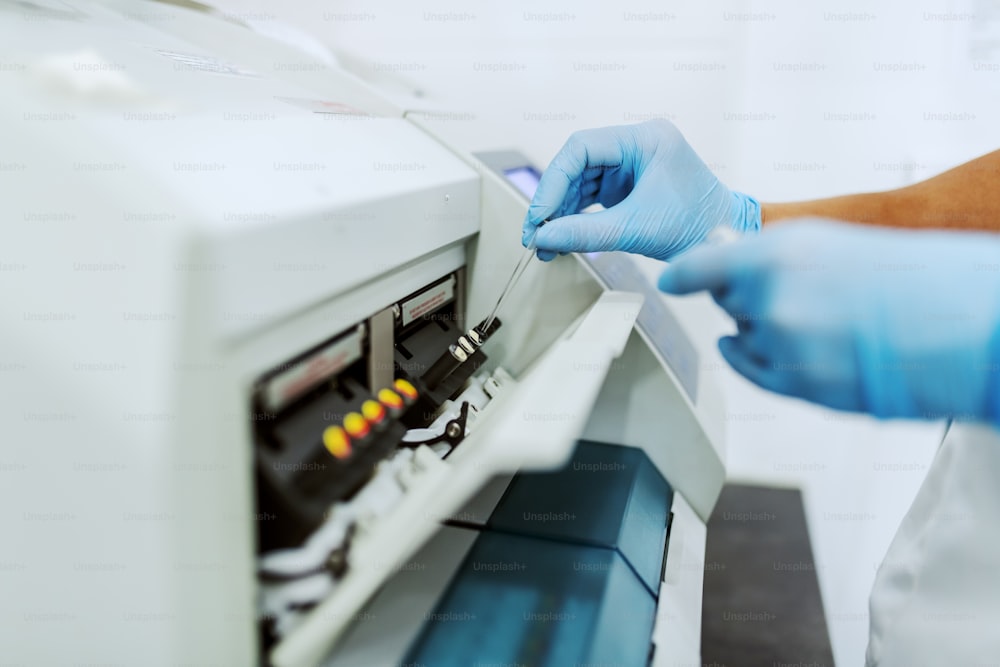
x,y
390,399
373,411
356,425
336,442
405,388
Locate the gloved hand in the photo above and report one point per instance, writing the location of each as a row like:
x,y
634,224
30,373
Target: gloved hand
x,y
893,323
659,196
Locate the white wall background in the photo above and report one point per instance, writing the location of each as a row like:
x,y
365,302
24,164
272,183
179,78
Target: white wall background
x,y
785,100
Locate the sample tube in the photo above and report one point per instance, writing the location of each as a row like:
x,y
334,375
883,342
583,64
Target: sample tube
x,y
444,366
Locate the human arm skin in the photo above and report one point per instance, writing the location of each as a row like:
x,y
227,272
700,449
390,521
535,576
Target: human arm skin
x,y
966,197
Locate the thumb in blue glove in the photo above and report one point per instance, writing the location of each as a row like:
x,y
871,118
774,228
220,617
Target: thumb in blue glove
x,y
660,199
893,323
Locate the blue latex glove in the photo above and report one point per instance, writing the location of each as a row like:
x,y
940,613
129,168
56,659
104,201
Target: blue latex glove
x,y
660,198
893,323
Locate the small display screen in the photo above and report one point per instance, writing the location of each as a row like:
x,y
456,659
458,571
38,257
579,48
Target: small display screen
x,y
524,179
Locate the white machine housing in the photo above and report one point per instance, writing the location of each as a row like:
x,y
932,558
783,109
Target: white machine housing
x,y
184,210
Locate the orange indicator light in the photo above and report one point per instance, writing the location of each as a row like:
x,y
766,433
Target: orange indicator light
x,y
373,411
406,389
390,399
356,425
337,442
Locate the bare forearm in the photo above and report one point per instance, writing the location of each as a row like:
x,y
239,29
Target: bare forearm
x,y
966,197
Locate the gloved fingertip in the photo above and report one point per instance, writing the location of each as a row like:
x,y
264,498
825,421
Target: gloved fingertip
x,y
538,213
532,225
544,235
740,360
727,346
668,281
546,255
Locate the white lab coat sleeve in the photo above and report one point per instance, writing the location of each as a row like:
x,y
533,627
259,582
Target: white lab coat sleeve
x,y
936,599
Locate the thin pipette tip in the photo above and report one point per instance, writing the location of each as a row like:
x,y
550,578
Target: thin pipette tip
x,y
519,269
522,264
